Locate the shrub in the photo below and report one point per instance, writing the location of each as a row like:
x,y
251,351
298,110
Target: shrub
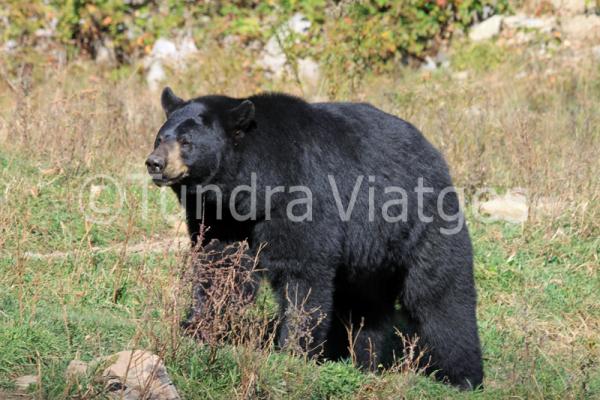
x,y
350,35
373,32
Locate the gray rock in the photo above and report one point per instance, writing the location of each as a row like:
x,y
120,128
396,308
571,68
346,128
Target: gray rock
x,y
487,11
429,64
299,24
522,21
130,375
164,49
169,53
309,71
156,75
510,207
273,56
486,29
105,54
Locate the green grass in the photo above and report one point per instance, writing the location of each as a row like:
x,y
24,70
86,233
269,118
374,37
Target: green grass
x,y
531,292
538,283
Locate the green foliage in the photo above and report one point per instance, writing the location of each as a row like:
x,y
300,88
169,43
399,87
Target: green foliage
x,y
338,380
22,19
366,33
371,33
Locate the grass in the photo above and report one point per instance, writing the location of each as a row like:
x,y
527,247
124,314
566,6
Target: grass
x,y
538,283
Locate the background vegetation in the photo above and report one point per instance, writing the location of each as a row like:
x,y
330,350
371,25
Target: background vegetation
x,y
368,33
72,289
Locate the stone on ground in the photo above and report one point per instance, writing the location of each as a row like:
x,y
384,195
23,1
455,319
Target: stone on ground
x,y
510,207
130,375
487,29
522,21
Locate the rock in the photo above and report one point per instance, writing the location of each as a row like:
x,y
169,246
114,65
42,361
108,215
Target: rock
x,y
24,382
137,373
273,56
569,7
105,54
299,24
156,76
130,375
187,47
10,46
582,27
309,71
487,12
510,207
440,60
486,29
164,49
167,52
429,64
522,21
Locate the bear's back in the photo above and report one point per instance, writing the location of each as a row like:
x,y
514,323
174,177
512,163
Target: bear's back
x,y
309,139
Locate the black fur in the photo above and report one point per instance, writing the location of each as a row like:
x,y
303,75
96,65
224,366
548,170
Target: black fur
x,y
355,270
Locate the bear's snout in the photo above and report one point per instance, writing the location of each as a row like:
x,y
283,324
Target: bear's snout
x,y
155,164
165,164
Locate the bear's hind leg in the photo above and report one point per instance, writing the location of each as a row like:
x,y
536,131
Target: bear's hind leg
x,y
439,296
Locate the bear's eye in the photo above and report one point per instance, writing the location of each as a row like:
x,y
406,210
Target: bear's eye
x,y
184,141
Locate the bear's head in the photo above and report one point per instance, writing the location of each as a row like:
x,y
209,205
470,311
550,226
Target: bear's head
x,y
192,143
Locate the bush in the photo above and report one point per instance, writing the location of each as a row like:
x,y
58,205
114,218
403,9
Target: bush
x,y
376,31
351,35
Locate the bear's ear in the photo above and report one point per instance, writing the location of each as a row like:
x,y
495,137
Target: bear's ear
x,y
169,100
240,118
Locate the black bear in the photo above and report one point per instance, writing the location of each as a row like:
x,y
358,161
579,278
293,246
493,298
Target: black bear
x,y
355,209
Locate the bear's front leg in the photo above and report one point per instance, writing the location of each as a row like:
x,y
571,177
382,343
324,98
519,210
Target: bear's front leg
x,y
305,296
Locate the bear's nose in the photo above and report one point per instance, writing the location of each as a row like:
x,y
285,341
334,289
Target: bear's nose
x,y
155,164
